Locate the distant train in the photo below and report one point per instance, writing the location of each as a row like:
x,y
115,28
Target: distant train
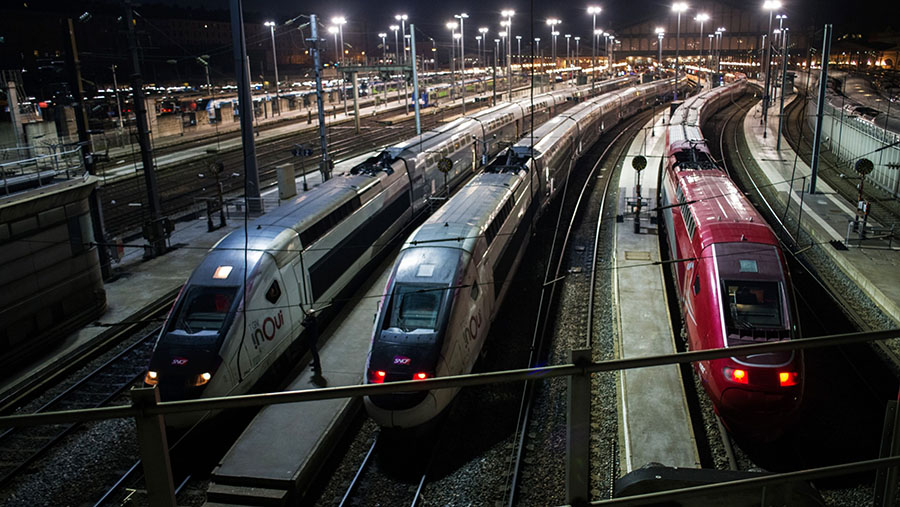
x,y
453,272
733,282
242,308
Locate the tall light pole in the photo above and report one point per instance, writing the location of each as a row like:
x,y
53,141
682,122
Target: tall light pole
x,y
719,32
396,43
781,34
383,48
593,11
333,30
552,22
771,6
701,18
577,48
709,59
483,31
402,19
271,25
677,7
519,50
462,53
567,36
508,14
606,50
340,21
537,41
660,33
451,25
478,40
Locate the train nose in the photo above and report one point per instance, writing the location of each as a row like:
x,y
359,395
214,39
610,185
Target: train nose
x,y
181,373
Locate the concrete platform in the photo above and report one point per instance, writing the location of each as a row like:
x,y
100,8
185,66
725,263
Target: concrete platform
x,y
826,216
653,412
284,446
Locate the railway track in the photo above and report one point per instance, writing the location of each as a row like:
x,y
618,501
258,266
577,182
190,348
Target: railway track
x,y
574,327
21,447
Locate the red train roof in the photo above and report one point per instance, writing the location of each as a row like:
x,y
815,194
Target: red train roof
x,y
721,212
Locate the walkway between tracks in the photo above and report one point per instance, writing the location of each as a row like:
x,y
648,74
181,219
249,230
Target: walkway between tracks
x,y
653,410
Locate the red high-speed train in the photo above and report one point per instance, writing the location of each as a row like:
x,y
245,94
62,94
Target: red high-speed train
x,y
733,282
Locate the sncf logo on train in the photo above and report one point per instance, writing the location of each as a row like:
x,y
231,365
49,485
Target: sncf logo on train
x,y
402,360
179,361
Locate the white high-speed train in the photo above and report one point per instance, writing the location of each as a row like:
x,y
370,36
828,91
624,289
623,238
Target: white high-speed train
x,y
240,313
453,272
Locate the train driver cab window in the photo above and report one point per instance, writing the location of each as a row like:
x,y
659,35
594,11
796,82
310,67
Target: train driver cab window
x,y
273,293
753,304
204,309
414,306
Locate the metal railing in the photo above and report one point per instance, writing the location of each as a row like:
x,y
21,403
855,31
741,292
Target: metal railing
x,y
148,413
20,166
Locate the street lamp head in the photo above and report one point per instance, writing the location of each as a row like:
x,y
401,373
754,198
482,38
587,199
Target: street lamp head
x,y
457,35
382,35
598,31
461,16
771,5
502,34
568,35
702,17
332,29
394,27
553,21
781,16
269,23
483,30
507,13
660,30
720,29
504,22
400,17
679,7
537,39
518,37
593,9
478,37
554,33
338,20
577,38
451,25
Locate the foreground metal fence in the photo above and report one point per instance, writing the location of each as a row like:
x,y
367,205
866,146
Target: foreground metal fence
x,y
148,413
20,166
851,137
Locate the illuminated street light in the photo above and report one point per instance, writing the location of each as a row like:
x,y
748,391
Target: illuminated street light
x,y
519,50
577,48
593,11
567,36
552,22
452,25
383,48
537,41
402,19
483,31
677,7
396,42
340,21
271,25
462,53
334,31
508,14
771,6
660,33
701,18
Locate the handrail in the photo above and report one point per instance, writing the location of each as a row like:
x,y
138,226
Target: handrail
x,y
562,370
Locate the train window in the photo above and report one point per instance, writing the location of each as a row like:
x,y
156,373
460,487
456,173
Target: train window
x,y
697,285
414,306
752,304
203,309
273,293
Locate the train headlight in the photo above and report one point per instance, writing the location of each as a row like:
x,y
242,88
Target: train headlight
x,y
201,379
737,375
151,378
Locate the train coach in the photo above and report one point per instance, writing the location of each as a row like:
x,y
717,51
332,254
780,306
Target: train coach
x,y
242,308
453,272
732,279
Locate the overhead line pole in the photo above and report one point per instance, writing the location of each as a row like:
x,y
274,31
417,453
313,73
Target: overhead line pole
x,y
324,165
245,103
